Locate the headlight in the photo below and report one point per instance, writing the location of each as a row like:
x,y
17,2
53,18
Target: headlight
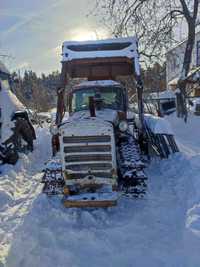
x,y
123,126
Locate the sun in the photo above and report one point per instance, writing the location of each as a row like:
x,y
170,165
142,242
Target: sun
x,y
84,35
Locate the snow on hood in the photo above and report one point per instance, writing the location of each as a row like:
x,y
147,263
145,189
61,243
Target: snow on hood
x,y
9,104
158,125
104,114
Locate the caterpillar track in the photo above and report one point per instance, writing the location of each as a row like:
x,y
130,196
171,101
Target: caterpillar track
x,y
132,178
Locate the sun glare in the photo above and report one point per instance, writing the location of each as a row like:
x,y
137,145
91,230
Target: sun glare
x,y
84,35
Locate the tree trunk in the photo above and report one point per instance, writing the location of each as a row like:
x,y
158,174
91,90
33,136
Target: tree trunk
x,y
182,83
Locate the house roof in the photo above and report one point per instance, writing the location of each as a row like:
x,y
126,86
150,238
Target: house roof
x,y
180,43
167,94
192,77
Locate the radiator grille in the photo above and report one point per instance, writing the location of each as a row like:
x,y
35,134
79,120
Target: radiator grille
x,y
91,148
85,155
86,139
88,157
89,167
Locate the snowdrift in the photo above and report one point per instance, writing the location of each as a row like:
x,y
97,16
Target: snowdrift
x,y
9,104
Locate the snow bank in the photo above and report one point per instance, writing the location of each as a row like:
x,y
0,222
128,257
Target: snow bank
x,y
189,143
19,185
9,104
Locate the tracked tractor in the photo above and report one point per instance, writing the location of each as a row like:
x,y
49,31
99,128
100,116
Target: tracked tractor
x,y
98,147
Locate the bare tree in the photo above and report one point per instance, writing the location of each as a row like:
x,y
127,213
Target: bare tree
x,y
189,11
153,22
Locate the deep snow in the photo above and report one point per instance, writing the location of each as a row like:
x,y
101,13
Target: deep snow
x,y
9,104
161,230
19,186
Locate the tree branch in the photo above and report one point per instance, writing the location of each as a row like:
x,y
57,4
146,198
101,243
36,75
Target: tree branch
x,y
186,10
196,5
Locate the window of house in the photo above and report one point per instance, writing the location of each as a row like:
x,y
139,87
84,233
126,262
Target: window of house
x,y
198,53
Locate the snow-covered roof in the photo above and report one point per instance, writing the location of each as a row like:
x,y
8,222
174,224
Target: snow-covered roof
x,y
3,68
193,76
97,83
180,43
162,95
118,47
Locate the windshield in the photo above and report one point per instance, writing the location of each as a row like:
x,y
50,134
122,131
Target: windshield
x,y
107,97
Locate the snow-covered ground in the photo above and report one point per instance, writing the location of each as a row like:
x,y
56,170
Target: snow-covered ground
x,y
19,186
161,230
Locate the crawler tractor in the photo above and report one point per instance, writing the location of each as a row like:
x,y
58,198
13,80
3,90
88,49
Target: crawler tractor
x,y
98,148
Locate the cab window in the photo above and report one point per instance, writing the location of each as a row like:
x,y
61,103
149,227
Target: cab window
x,y
110,97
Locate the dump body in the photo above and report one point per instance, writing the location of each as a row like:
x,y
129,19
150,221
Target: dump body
x,y
101,60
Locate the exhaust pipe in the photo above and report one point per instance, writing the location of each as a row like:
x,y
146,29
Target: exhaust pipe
x,y
92,106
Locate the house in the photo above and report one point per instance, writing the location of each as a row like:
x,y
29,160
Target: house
x,y
174,61
164,101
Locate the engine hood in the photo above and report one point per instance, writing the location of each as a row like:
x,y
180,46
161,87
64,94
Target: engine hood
x,y
108,115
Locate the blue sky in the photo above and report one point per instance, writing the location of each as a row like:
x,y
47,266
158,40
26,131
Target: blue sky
x,y
32,32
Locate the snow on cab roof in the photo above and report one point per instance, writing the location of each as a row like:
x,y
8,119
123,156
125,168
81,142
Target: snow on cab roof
x,y
3,68
97,83
118,47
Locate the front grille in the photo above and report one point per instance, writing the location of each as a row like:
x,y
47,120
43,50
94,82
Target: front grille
x,y
84,155
90,148
86,139
77,175
88,157
89,167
